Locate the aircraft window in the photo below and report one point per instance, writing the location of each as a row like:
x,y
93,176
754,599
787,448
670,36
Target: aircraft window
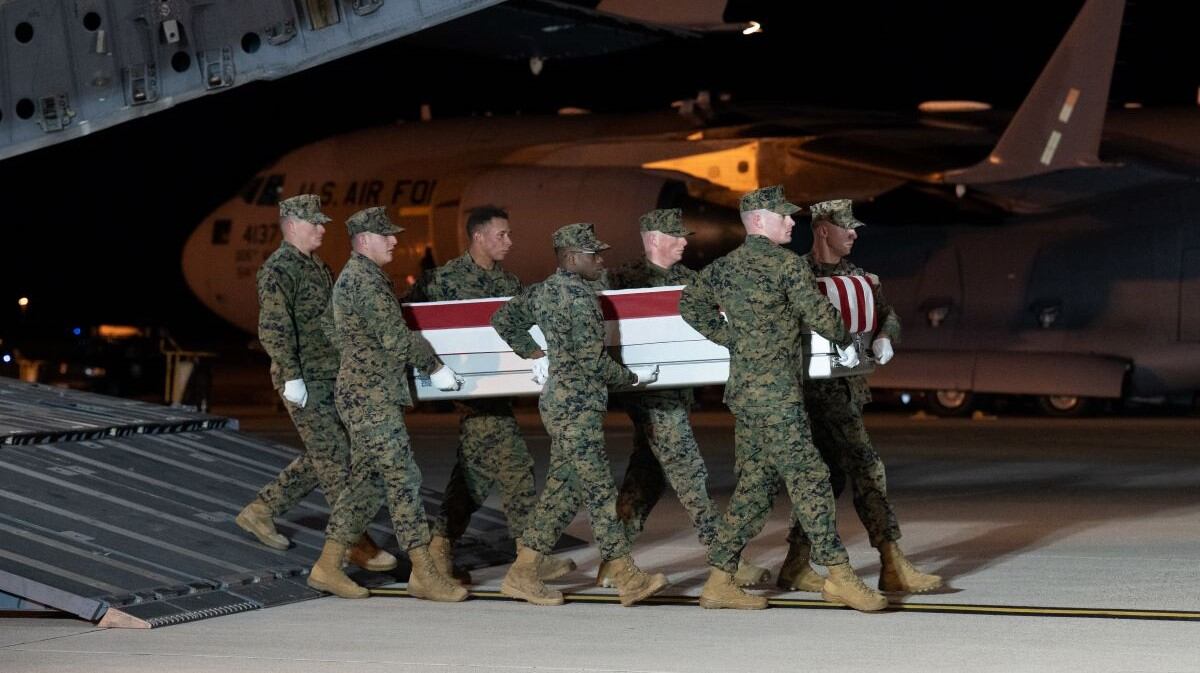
x,y
181,61
251,42
24,108
24,32
91,21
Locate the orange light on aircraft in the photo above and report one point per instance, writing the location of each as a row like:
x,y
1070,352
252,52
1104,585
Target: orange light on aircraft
x,y
118,331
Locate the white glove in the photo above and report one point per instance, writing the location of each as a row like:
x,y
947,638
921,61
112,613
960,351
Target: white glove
x,y
541,370
296,392
847,357
882,348
646,374
445,379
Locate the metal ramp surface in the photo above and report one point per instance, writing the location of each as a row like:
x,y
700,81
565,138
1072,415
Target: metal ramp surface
x,y
122,513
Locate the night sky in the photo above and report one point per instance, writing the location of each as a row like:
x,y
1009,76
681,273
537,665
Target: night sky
x,y
95,226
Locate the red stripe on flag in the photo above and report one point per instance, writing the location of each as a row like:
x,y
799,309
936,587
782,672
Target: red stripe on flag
x,y
862,304
640,304
479,313
450,316
844,302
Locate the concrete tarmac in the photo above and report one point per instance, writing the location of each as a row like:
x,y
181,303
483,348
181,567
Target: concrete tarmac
x,y
1068,545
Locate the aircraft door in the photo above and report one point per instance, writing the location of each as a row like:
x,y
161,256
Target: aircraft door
x,y
1189,296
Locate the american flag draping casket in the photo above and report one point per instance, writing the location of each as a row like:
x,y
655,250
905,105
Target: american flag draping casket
x,y
643,328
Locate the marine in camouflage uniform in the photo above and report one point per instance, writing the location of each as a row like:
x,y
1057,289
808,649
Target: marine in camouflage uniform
x,y
572,406
491,451
295,326
370,396
836,409
665,448
768,294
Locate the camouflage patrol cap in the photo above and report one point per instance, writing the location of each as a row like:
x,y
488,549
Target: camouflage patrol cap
x,y
578,236
373,220
836,212
768,198
667,220
304,207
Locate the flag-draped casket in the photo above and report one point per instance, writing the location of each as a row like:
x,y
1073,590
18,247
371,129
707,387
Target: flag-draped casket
x,y
643,328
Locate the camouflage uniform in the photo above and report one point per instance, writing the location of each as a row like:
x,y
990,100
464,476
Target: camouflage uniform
x,y
295,325
768,294
371,394
662,432
490,447
573,401
835,406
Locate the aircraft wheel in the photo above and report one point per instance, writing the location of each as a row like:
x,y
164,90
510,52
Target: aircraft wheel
x,y
950,402
1064,406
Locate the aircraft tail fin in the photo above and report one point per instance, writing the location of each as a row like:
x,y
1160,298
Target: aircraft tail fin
x,y
1059,124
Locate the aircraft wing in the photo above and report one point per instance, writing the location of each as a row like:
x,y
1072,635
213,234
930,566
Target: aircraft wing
x,y
73,69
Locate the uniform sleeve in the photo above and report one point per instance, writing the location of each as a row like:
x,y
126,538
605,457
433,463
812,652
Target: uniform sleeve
x,y
819,315
512,322
585,340
699,308
382,311
889,322
277,325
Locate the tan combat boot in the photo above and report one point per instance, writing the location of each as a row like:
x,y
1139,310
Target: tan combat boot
x,y
257,520
522,580
604,574
898,575
748,574
844,587
633,584
367,555
327,574
551,567
427,582
442,550
721,591
796,574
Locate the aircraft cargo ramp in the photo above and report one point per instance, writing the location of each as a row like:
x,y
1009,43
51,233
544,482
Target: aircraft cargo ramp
x,y
122,512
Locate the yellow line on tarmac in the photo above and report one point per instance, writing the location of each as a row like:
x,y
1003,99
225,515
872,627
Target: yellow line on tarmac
x,y
943,608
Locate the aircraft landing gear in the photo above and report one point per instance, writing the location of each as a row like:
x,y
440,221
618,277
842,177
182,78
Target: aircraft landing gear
x,y
950,402
1064,406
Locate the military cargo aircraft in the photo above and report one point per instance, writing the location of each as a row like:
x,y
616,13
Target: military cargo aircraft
x,y
1060,261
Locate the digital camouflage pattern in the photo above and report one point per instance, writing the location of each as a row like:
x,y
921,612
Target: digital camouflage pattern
x,y
768,294
295,324
768,198
837,211
305,207
666,220
295,327
664,447
572,406
374,220
326,457
578,236
370,396
835,407
491,450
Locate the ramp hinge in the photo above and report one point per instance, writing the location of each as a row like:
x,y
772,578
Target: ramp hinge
x,y
217,66
365,7
281,32
141,83
54,113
